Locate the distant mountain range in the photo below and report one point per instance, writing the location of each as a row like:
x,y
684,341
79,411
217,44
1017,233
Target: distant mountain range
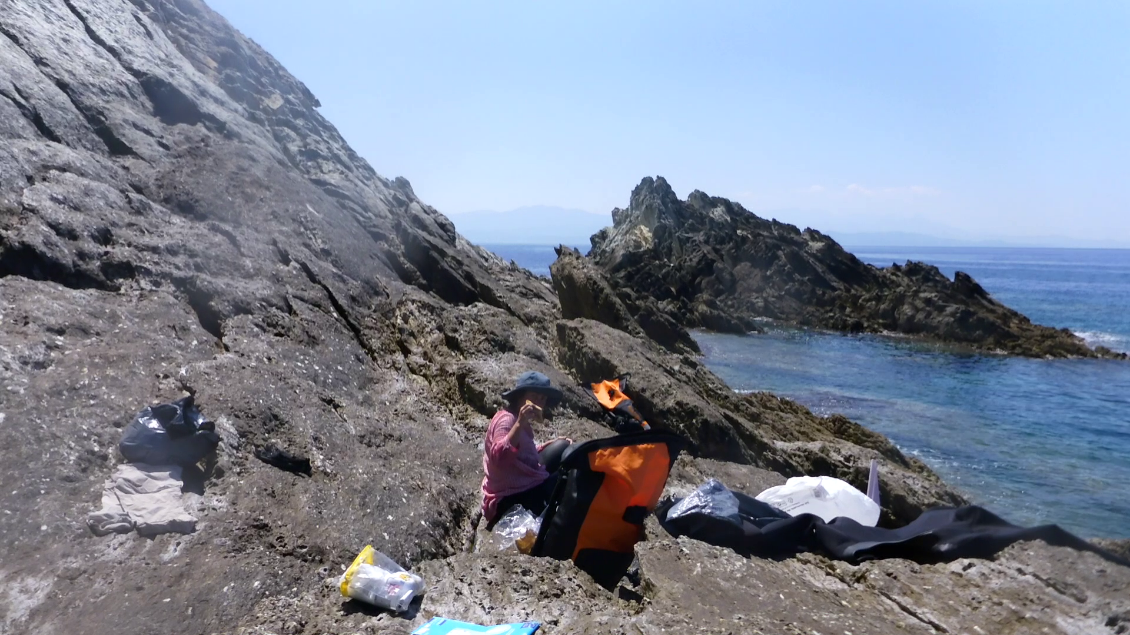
x,y
532,225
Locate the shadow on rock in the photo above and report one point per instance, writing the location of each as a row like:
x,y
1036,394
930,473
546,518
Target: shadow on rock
x,y
354,607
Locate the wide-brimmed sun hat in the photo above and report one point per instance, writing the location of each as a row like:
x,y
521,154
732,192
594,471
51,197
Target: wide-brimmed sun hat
x,y
536,382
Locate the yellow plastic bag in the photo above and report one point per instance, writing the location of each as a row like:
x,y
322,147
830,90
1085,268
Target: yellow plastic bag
x,y
376,579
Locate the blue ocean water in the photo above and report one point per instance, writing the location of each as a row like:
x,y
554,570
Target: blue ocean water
x,y
1037,441
536,258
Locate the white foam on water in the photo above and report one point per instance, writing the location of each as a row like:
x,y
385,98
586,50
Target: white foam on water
x,y
1112,341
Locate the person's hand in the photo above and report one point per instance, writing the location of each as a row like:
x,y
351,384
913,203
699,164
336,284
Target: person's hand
x,y
529,413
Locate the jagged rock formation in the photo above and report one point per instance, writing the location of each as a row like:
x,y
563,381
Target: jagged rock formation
x,y
584,292
712,264
175,216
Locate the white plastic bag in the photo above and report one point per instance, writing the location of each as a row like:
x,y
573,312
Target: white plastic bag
x,y
376,579
517,530
822,496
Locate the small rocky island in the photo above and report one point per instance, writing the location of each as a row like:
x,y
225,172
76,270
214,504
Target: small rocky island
x,y
707,262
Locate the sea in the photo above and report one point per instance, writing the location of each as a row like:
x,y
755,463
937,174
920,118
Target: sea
x,y
1036,441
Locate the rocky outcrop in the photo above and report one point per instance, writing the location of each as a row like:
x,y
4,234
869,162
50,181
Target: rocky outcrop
x,y
719,267
176,217
584,292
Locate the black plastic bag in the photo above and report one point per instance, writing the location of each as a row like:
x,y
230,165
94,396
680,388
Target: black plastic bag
x,y
169,434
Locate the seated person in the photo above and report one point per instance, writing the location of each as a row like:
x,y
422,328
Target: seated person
x,y
517,470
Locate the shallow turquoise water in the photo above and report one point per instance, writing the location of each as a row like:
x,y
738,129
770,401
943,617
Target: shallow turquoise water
x,y
1037,441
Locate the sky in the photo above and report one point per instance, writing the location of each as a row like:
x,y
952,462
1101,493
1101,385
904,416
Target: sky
x,y
978,119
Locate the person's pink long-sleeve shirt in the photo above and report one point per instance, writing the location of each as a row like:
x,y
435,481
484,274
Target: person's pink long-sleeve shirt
x,y
509,468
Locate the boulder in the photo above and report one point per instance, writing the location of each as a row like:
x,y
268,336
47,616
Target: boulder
x,y
585,292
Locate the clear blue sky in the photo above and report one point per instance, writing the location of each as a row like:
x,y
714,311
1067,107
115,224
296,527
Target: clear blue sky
x,y
987,118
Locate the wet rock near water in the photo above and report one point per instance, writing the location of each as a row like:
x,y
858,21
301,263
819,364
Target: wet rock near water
x,y
714,265
177,218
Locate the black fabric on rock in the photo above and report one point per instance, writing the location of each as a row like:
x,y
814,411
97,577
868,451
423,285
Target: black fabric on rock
x,y
941,534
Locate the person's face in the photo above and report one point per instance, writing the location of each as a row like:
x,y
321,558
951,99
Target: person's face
x,y
538,398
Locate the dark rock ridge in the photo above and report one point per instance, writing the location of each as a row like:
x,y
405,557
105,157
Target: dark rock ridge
x,y
585,292
711,264
176,217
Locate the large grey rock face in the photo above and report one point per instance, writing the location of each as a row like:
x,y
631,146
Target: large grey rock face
x,y
175,216
719,267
